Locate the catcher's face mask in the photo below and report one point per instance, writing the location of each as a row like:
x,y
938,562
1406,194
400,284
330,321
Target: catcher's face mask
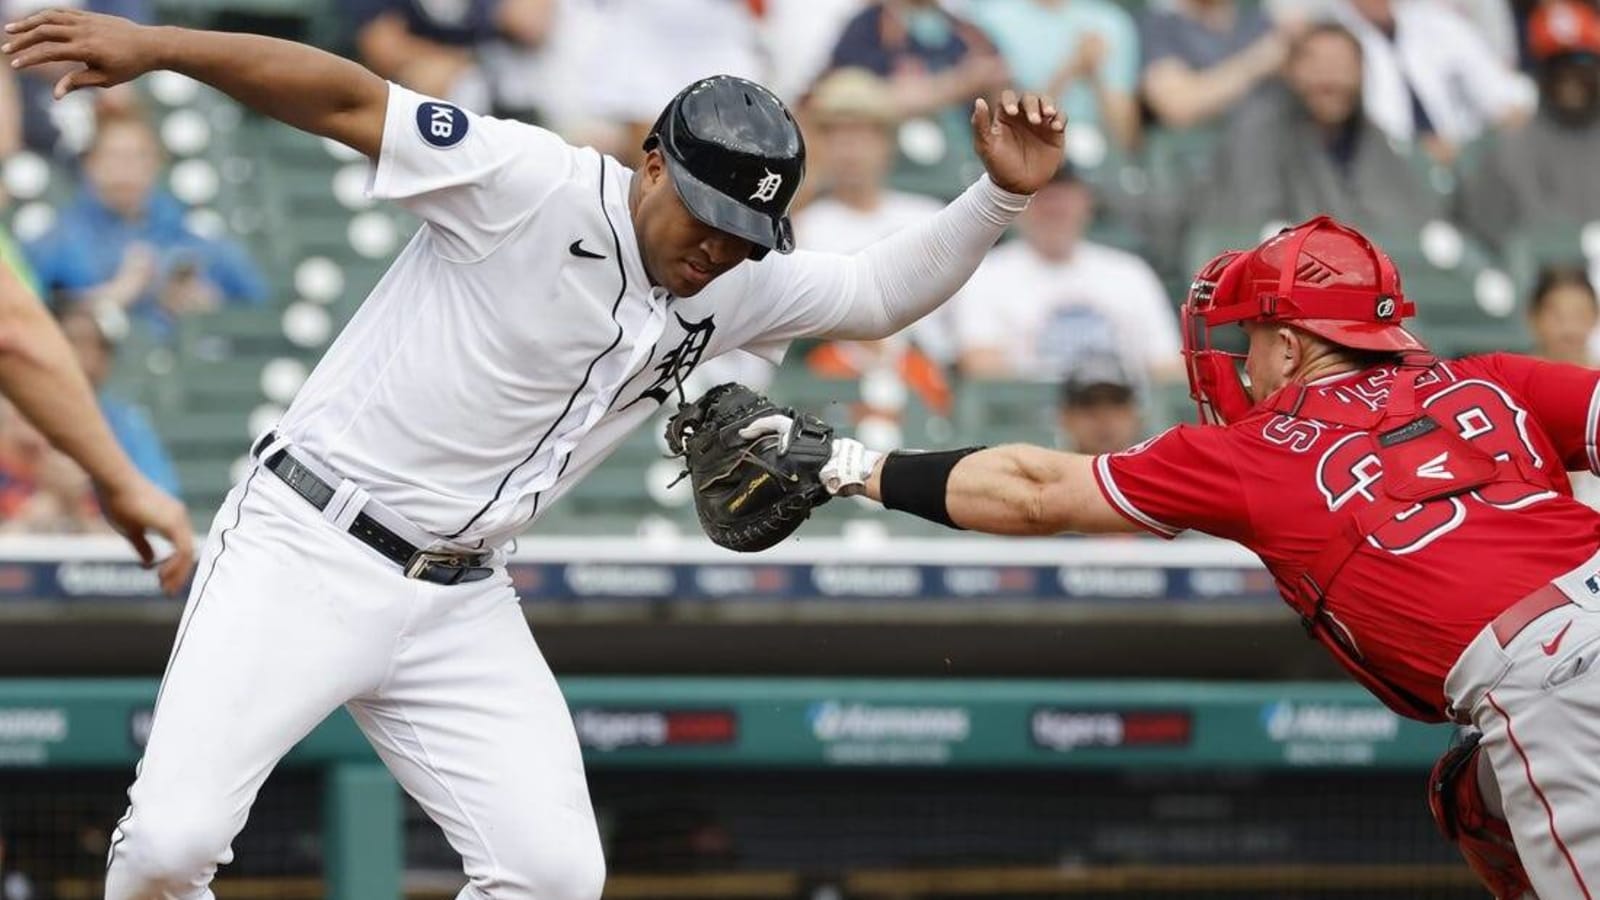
x,y
1214,381
1322,277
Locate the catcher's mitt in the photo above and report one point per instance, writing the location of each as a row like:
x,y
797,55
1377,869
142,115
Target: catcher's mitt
x,y
750,493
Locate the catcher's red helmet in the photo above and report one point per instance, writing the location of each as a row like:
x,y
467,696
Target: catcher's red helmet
x,y
1321,276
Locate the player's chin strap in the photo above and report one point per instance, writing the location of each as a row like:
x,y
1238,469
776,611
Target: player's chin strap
x,y
1413,450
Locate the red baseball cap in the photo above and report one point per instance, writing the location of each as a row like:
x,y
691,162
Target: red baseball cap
x,y
1563,26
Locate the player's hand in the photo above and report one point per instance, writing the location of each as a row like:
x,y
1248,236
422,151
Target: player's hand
x,y
1021,143
138,508
109,49
849,465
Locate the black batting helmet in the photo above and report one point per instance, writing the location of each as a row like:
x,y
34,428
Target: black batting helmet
x,y
736,158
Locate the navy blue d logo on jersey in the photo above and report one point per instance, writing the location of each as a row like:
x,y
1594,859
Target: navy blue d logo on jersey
x,y
441,124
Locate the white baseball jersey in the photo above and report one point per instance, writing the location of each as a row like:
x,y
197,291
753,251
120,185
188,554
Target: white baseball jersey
x,y
517,339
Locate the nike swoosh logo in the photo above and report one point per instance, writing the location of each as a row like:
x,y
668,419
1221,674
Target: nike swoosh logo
x,y
1555,644
577,250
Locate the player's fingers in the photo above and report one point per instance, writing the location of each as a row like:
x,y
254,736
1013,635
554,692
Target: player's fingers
x,y
43,53
27,39
1008,102
44,17
82,78
176,567
980,115
141,546
1031,107
174,572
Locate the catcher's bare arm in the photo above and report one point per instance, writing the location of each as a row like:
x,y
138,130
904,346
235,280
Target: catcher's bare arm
x,y
41,375
1015,489
1020,489
299,85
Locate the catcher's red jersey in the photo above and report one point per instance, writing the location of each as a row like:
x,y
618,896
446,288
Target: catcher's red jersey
x,y
1423,585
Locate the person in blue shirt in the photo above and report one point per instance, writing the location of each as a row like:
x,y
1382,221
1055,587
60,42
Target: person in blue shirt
x,y
935,64
123,240
129,423
1085,53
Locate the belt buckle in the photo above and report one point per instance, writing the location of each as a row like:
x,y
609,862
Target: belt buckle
x,y
422,559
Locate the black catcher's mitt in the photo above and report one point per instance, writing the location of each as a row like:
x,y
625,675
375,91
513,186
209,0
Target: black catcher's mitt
x,y
750,493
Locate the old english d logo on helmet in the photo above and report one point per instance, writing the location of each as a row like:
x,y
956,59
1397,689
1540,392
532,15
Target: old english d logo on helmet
x,y
736,159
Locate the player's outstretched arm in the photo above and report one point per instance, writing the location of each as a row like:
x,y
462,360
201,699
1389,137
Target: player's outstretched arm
x,y
896,281
299,85
41,375
1014,489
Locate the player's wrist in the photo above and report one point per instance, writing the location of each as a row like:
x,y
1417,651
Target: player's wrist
x,y
998,203
162,46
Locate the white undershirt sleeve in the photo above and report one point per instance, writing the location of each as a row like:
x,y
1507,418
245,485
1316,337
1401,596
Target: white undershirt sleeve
x,y
890,284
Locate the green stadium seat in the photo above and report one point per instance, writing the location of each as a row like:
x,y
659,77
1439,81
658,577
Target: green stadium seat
x,y
1534,248
995,412
229,387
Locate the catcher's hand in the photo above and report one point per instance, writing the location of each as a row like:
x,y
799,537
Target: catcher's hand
x,y
754,480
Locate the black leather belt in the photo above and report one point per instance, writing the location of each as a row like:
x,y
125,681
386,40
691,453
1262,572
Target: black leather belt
x,y
436,568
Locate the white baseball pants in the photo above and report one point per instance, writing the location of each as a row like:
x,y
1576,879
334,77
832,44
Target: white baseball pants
x,y
1537,702
287,619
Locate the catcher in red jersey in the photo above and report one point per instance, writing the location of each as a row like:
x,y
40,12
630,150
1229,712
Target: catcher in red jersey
x,y
1415,512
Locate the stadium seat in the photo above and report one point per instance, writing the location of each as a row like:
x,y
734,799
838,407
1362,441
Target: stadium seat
x,y
995,412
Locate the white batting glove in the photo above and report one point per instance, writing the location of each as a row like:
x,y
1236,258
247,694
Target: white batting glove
x,y
849,466
846,472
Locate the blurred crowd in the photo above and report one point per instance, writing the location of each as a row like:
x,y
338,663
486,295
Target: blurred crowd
x,y
1482,116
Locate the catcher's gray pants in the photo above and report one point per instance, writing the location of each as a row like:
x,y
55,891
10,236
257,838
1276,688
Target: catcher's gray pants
x,y
289,618
1537,702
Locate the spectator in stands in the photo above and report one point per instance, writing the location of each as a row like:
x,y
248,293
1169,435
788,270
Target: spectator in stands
x,y
1085,53
1430,76
623,61
97,353
1038,304
1543,172
798,37
1099,410
1202,58
1312,150
853,117
12,113
123,241
1562,316
473,52
42,491
935,64
62,129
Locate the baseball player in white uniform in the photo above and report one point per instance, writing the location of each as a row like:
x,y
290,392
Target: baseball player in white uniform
x,y
551,302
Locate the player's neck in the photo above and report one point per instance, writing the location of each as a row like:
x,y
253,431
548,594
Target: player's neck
x,y
1323,367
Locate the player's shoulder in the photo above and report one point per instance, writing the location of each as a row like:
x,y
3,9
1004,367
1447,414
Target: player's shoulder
x,y
1184,439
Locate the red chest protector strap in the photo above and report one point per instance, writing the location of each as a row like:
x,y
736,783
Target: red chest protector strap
x,y
1421,461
